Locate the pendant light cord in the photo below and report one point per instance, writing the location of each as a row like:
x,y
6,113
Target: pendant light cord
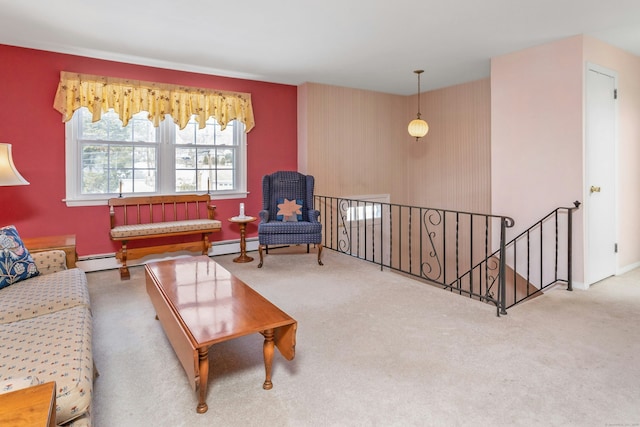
x,y
418,72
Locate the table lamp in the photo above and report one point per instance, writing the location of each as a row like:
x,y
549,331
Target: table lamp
x,y
9,175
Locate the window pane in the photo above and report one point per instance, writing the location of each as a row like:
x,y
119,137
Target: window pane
x,y
185,158
226,137
225,180
206,135
120,181
144,181
226,158
143,130
94,157
206,180
188,134
86,130
185,180
121,156
95,163
145,157
206,158
144,170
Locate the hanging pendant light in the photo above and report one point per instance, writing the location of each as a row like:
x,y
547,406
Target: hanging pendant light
x,y
418,127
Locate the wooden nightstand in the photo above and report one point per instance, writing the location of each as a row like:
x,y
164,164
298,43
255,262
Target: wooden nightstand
x,y
29,407
66,243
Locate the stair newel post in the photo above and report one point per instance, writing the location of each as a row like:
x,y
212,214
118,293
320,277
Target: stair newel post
x,y
569,260
502,291
570,245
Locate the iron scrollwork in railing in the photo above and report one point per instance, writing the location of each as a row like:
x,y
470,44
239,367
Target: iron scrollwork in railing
x,y
431,217
344,244
492,267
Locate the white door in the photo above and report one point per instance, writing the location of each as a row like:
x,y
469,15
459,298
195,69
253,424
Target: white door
x,y
600,192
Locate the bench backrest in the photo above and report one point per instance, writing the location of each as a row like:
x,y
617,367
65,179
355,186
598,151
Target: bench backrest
x,y
151,209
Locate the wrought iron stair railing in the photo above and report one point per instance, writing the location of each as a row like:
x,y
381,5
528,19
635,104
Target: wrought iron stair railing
x,y
538,258
464,252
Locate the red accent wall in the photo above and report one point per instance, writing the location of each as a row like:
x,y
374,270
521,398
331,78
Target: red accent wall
x,y
28,82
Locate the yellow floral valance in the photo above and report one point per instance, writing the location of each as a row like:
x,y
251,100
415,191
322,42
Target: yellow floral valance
x,y
128,97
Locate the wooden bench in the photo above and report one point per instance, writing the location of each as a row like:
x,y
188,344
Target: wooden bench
x,y
153,217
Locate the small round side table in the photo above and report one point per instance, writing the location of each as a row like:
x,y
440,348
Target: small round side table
x,y
242,223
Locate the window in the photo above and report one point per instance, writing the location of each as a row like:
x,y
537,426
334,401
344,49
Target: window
x,y
105,159
366,208
364,211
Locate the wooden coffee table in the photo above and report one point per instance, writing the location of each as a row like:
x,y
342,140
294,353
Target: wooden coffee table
x,y
199,303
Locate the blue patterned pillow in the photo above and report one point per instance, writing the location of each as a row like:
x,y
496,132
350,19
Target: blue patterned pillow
x,y
289,210
16,263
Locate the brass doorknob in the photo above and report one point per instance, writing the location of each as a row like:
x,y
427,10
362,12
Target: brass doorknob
x,y
594,189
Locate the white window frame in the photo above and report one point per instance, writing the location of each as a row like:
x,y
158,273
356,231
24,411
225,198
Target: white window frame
x,y
165,171
367,208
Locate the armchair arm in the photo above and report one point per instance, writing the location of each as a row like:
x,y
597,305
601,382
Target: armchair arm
x,y
264,215
50,261
314,215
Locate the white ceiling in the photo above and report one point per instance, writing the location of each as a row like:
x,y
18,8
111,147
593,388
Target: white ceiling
x,y
366,44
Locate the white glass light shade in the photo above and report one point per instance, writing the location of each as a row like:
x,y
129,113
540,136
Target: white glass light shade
x,y
418,128
9,175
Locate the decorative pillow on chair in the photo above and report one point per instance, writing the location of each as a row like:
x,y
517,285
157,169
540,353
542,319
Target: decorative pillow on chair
x,y
16,263
289,210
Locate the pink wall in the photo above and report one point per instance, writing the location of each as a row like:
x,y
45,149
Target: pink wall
x,y
537,135
28,81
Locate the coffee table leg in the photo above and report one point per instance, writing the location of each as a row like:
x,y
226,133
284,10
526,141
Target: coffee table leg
x,y
267,349
203,358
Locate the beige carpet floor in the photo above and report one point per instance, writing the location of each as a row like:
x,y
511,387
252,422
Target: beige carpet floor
x,y
378,349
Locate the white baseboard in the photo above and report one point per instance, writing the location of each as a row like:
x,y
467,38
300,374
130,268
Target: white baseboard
x,y
619,271
100,262
581,286
232,247
627,268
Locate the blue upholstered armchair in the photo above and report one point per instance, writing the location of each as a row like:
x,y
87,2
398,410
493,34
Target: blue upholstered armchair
x,y
287,216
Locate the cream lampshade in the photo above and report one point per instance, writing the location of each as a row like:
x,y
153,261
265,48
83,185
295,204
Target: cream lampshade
x,y
418,128
9,175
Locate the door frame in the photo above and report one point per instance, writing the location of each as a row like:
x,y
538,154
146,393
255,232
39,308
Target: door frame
x,y
586,226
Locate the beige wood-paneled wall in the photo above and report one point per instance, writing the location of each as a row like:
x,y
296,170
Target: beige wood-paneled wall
x,y
355,142
351,143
